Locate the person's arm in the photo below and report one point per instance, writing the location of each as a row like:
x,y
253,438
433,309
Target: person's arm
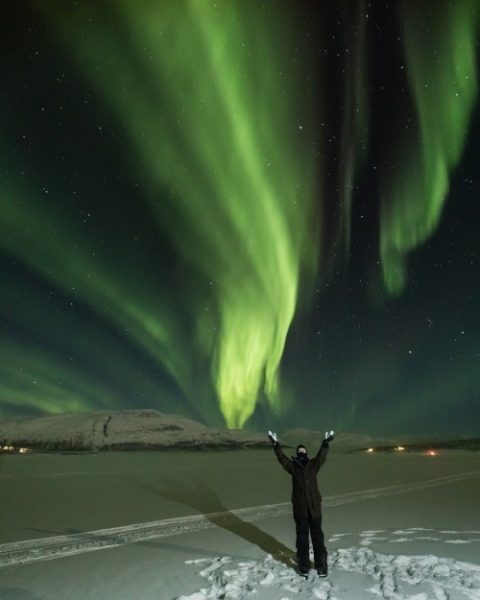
x,y
281,456
322,454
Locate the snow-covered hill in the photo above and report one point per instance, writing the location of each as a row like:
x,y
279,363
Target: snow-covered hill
x,y
145,429
121,430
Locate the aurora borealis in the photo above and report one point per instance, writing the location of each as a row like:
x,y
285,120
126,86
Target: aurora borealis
x,y
246,212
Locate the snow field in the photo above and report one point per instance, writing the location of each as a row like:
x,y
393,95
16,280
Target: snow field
x,y
165,526
355,573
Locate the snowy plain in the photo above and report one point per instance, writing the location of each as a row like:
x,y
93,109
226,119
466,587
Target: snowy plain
x,y
207,525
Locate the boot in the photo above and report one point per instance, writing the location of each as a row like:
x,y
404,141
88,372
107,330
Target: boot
x,y
322,567
304,571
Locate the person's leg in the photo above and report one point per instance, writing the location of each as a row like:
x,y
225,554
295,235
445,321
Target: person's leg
x,y
318,542
301,525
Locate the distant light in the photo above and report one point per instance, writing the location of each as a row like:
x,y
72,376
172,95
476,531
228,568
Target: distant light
x,y
370,450
431,453
14,449
400,448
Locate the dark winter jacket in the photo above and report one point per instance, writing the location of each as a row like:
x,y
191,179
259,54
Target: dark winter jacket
x,y
305,493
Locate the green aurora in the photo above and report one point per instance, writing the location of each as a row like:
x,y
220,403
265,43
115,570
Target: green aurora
x,y
442,74
221,108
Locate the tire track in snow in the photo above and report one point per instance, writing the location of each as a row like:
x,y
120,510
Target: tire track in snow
x,y
60,546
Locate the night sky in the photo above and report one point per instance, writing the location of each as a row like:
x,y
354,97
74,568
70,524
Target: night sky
x,y
252,213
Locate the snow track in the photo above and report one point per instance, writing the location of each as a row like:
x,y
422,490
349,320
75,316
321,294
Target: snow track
x,y
49,548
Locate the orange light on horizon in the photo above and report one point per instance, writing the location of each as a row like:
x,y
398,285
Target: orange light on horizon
x,y
431,453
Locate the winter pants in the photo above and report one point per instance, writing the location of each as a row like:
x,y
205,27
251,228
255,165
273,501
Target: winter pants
x,y
303,526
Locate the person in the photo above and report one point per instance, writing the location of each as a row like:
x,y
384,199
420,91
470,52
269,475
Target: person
x,y
306,501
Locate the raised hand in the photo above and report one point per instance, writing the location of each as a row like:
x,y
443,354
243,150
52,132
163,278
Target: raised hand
x,y
329,435
273,437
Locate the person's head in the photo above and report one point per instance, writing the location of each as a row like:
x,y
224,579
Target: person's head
x,y
301,450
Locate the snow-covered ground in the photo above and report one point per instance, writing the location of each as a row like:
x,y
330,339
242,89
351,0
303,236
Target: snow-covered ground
x,y
356,572
211,525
